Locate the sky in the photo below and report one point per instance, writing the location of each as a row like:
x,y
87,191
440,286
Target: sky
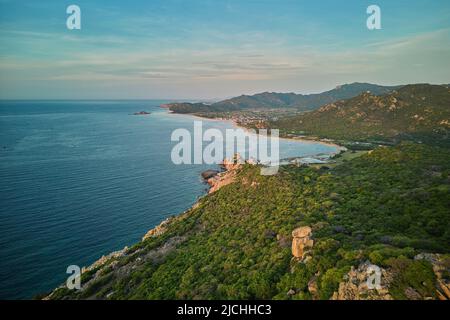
x,y
214,49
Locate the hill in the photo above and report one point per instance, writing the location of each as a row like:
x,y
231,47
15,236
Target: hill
x,y
417,112
273,100
388,207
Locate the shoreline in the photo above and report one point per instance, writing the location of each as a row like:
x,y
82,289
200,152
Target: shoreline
x,y
215,183
235,124
161,227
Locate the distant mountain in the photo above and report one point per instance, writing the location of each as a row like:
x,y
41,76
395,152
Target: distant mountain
x,y
187,107
271,100
415,112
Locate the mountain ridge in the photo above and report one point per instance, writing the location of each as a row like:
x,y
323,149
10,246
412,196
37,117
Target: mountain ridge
x,y
270,100
419,111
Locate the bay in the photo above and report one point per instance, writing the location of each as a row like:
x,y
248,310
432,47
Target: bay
x,y
80,179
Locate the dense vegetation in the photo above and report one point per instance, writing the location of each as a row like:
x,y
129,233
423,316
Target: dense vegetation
x,y
193,108
385,206
414,112
273,100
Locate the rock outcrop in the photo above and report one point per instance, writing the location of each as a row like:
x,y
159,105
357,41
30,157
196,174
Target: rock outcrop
x,y
231,166
208,174
97,265
220,180
157,231
355,286
234,163
301,242
441,266
105,258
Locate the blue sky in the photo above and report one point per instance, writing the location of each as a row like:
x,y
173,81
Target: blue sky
x,y
205,49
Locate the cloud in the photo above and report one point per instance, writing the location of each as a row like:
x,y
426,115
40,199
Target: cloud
x,y
233,63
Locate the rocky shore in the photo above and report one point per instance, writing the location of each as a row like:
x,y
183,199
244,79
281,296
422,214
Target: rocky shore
x,y
217,180
313,254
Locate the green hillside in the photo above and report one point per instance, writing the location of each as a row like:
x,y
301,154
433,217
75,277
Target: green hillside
x,y
414,112
385,206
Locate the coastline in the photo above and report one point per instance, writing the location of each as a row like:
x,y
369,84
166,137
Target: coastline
x,y
221,179
235,124
167,237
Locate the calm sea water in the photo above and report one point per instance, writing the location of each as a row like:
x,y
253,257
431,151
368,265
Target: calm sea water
x,y
81,179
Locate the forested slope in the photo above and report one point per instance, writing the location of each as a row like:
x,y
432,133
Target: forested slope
x,y
385,207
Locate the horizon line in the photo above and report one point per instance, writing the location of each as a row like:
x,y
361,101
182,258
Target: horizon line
x,y
215,99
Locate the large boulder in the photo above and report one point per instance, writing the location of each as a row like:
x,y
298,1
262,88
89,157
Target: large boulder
x,y
302,232
301,242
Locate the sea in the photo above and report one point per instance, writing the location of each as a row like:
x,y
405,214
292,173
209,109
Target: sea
x,y
80,179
